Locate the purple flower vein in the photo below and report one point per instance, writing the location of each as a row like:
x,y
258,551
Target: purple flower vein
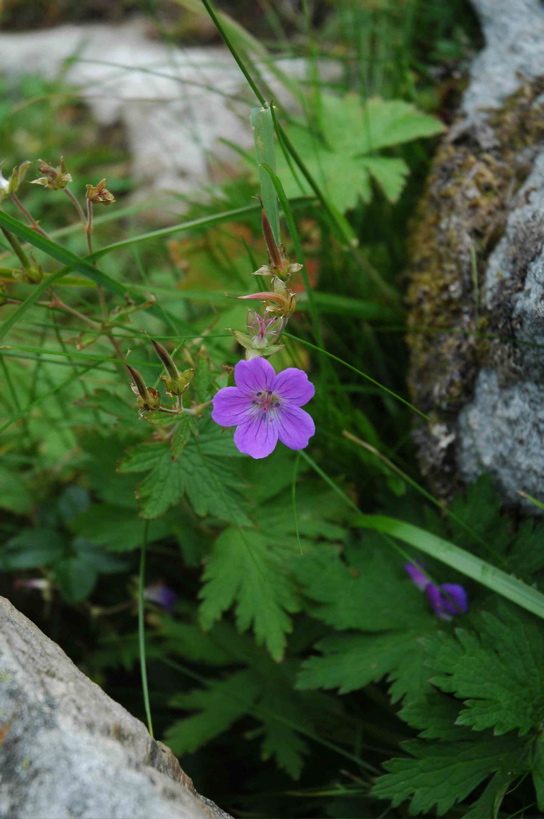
x,y
265,407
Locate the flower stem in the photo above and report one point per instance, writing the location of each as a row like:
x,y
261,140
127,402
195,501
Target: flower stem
x,y
33,224
141,628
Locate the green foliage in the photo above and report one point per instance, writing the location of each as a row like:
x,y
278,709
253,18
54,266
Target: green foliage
x,y
497,671
242,569
341,153
247,568
298,647
210,485
441,774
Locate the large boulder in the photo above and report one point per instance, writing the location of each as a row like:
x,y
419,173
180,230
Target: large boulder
x,y
67,750
477,272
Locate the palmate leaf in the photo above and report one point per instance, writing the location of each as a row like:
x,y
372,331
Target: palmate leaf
x,y
248,568
437,775
368,591
350,594
352,661
218,706
243,571
211,486
498,671
343,159
268,696
357,128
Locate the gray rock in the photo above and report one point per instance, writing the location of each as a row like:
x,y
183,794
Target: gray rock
x,y
514,36
179,106
484,274
67,750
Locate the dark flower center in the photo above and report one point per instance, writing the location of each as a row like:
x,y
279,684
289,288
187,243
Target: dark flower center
x,y
265,400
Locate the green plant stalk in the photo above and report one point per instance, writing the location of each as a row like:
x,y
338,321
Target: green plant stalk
x,y
298,251
141,628
263,134
221,29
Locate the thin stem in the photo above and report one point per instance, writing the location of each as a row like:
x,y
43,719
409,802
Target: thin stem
x,y
57,304
77,206
33,224
141,628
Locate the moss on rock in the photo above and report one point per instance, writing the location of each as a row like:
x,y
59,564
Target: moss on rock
x,y
453,330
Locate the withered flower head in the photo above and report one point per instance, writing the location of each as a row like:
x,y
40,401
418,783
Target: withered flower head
x,y
55,179
99,194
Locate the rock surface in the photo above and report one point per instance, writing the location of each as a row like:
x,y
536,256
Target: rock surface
x,y
478,271
67,750
178,105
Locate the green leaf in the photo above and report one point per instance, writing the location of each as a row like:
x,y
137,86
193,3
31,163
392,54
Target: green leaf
x,y
202,380
211,486
14,493
343,160
73,501
111,404
390,173
31,548
242,571
356,128
434,715
224,702
181,437
76,578
352,661
498,671
281,742
117,528
353,596
342,181
538,770
489,803
442,774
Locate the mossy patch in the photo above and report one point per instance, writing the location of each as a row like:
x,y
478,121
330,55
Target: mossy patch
x,y
475,175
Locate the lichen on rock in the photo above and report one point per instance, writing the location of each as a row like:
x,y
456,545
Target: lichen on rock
x,y
478,230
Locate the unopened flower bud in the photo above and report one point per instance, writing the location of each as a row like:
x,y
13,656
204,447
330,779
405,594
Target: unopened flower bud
x,y
99,194
55,179
149,399
176,383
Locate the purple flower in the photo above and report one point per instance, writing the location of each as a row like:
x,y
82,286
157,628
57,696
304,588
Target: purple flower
x,y
162,595
265,407
446,600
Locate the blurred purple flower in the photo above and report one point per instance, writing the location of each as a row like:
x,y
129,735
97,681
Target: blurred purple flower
x,y
445,600
162,595
265,407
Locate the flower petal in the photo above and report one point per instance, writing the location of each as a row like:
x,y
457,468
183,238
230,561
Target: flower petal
x,y
253,375
416,575
230,407
295,427
293,386
453,601
258,436
455,598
